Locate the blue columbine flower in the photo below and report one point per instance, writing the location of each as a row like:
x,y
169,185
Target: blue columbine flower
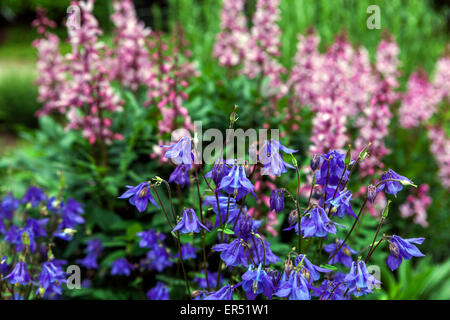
x,y
158,258
19,274
234,253
336,162
139,196
121,267
71,213
180,175
149,239
189,223
159,292
220,169
237,182
246,225
38,226
258,251
51,273
359,280
343,256
270,157
294,287
7,207
188,251
181,151
34,196
392,187
212,279
310,271
277,200
256,282
342,204
402,249
94,248
233,209
224,293
317,224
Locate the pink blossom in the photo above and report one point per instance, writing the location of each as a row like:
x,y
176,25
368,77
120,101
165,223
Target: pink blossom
x,y
416,206
440,148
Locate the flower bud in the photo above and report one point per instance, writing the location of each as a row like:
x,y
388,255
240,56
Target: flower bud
x,y
277,200
293,217
315,162
288,266
26,239
371,193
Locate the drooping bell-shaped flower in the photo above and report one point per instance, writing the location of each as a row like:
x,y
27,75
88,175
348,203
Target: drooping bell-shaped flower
x,y
359,280
295,287
159,292
224,293
232,208
335,161
256,282
189,223
181,151
34,196
19,274
402,249
236,182
270,157
139,196
344,255
121,267
317,224
341,203
277,200
234,253
180,175
392,182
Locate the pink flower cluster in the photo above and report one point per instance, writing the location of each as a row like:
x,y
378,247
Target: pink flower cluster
x,y
440,148
375,118
131,63
230,47
420,101
416,206
256,50
78,86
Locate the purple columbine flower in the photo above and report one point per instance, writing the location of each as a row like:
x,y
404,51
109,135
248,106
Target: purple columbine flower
x,y
234,253
277,200
233,209
315,162
256,282
220,169
181,151
189,223
224,293
188,251
392,187
7,207
158,292
317,224
34,196
342,204
237,182
270,157
158,258
71,213
121,267
38,226
180,175
310,271
246,225
402,249
149,239
212,279
51,273
90,261
19,274
294,287
139,196
343,256
332,289
336,162
359,280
